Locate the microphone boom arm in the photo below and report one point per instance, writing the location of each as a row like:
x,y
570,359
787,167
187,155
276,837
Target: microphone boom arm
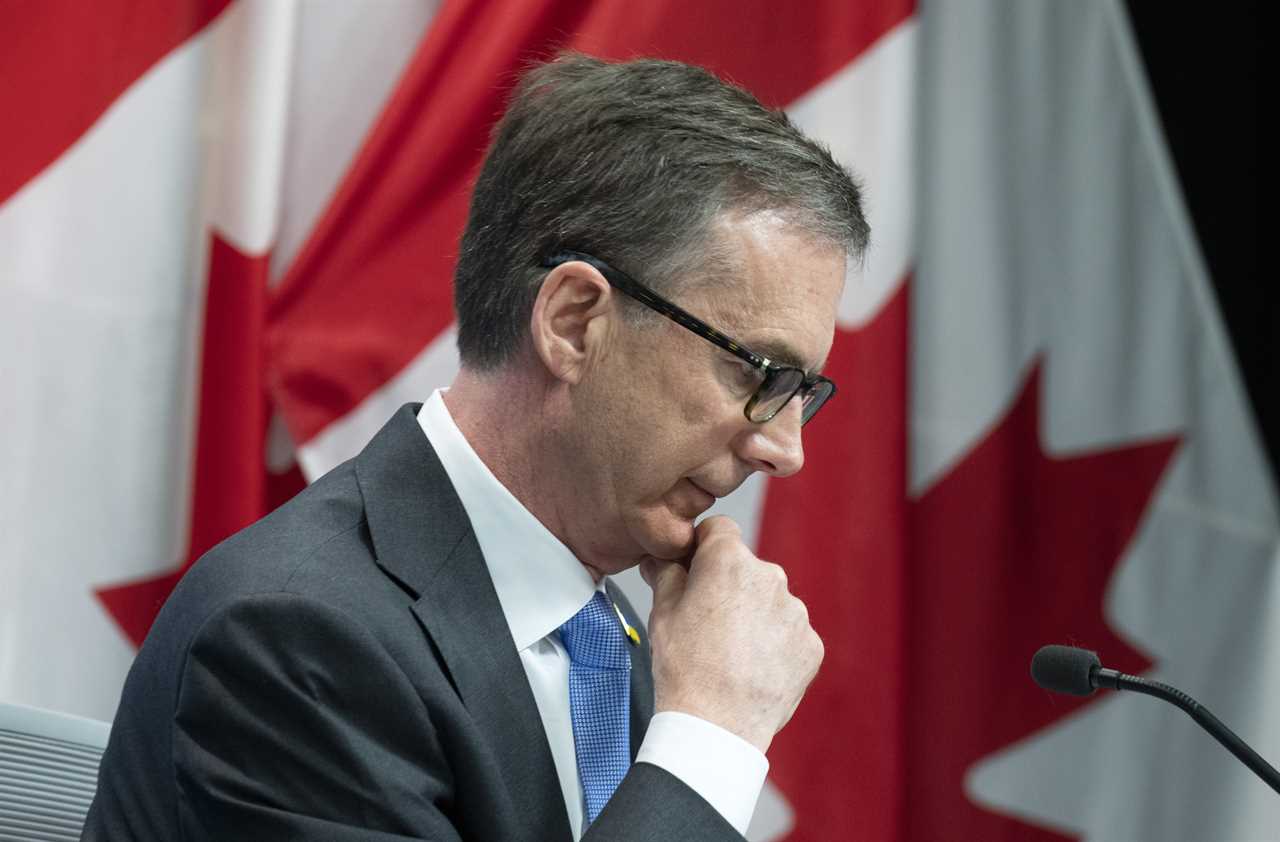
x,y
1116,680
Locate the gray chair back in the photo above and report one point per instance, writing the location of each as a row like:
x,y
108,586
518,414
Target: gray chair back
x,y
48,772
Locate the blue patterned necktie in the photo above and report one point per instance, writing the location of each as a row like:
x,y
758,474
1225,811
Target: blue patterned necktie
x,y
599,699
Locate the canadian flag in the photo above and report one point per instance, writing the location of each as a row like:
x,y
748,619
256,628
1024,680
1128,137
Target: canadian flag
x,y
227,231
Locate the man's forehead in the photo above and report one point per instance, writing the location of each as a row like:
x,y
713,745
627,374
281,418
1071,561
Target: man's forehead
x,y
785,332
776,289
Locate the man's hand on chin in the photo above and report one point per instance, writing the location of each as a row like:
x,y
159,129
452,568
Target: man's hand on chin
x,y
730,644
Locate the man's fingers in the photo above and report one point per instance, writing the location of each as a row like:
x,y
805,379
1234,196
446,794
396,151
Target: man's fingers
x,y
715,532
666,578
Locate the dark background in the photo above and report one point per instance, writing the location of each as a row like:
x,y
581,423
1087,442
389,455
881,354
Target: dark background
x,y
1201,62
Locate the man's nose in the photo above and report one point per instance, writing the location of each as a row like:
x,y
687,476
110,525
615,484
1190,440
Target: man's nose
x,y
775,447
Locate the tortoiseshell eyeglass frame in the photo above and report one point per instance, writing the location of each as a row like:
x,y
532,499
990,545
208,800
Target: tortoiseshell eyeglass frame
x,y
816,390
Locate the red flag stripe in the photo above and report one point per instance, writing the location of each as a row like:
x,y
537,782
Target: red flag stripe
x,y
778,51
63,63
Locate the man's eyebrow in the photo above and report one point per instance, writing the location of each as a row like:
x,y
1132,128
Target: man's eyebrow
x,y
783,354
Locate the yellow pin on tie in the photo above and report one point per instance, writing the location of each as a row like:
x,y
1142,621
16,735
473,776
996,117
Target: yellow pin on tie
x,y
632,634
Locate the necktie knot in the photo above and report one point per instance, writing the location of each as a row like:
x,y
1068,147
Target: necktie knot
x,y
594,637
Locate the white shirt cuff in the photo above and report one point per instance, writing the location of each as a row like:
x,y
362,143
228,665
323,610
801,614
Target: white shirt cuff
x,y
726,770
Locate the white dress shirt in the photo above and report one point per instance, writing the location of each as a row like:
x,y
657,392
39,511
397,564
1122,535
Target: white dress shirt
x,y
540,585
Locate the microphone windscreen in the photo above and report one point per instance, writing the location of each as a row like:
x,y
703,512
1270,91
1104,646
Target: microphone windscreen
x,y
1064,669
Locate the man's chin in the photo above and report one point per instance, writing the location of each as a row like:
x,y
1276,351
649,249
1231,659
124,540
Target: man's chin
x,y
673,540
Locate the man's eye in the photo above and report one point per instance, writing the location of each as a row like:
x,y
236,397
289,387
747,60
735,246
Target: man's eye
x,y
743,376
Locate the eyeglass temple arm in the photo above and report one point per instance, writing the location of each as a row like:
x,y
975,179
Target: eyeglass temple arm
x,y
633,288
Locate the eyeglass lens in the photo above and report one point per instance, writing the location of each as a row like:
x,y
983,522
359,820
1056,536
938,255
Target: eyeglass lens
x,y
774,393
780,387
814,399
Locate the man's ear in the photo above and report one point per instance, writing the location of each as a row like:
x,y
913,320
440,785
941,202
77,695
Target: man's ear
x,y
571,319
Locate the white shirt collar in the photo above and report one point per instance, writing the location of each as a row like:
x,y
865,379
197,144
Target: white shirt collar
x,y
540,583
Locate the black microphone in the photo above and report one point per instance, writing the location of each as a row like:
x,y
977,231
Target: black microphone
x,y
1066,669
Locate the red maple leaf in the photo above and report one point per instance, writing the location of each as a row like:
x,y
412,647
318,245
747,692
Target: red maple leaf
x,y
1010,550
232,487
932,609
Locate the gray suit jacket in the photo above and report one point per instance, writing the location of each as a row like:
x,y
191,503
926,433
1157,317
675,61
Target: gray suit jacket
x,y
342,670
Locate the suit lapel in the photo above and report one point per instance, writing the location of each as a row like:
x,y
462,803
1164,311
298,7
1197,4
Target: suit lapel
x,y
462,614
423,540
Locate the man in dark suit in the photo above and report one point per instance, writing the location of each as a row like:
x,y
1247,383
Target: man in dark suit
x,y
424,643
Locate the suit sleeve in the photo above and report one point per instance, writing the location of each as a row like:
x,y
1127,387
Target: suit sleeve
x,y
653,805
293,722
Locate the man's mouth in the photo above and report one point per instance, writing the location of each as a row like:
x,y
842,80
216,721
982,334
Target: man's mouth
x,y
709,499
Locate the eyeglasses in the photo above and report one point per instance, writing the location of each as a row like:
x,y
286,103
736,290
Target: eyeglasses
x,y
780,383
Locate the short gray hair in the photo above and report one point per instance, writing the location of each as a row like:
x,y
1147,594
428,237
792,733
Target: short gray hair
x,y
631,162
